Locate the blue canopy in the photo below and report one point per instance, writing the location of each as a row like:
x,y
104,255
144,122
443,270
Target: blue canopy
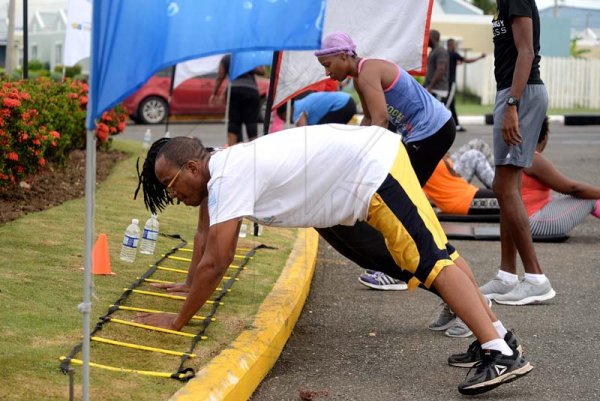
x,y
243,62
131,40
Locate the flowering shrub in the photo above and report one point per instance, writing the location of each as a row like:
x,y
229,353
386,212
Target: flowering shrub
x,y
41,120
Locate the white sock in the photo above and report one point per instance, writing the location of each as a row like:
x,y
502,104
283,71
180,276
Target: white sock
x,y
507,277
535,278
498,344
500,328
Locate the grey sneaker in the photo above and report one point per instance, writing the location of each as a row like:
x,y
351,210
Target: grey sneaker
x,y
526,293
444,319
459,329
496,287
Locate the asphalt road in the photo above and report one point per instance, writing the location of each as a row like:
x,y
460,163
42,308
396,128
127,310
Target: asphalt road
x,y
352,343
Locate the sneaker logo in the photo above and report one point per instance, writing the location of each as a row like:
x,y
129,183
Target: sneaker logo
x,y
500,369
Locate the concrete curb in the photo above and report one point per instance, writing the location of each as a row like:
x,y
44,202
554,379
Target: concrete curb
x,y
237,371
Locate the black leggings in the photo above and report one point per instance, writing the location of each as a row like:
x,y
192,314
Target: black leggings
x,y
244,105
366,246
425,154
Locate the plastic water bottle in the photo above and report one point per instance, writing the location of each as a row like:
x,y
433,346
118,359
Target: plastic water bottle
x,y
243,230
149,236
147,139
130,241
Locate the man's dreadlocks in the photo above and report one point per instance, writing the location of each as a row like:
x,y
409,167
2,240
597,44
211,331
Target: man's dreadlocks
x,y
177,151
156,197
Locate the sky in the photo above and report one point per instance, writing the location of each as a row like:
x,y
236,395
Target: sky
x,y
593,4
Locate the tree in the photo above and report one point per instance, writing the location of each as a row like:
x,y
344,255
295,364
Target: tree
x,y
488,6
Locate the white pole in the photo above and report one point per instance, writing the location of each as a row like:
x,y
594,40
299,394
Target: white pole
x,y
90,199
86,306
227,109
10,42
288,114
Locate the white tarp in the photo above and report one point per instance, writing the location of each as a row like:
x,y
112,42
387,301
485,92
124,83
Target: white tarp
x,y
196,67
78,33
394,30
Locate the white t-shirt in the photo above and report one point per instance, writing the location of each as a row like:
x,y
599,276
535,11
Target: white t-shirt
x,y
313,176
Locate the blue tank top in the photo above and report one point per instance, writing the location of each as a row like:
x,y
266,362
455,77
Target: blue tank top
x,y
414,112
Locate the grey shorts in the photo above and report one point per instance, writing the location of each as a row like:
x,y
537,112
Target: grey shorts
x,y
532,110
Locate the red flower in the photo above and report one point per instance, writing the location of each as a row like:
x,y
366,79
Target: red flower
x,y
23,137
42,161
102,135
12,156
83,100
55,134
121,126
8,102
36,142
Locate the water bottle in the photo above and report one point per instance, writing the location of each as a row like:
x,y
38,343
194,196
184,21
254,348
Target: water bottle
x,y
149,236
147,139
243,230
130,241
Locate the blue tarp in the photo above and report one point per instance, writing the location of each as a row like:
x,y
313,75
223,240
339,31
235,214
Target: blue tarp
x,y
133,39
243,62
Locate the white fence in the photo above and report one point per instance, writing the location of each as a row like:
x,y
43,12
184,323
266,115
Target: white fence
x,y
571,83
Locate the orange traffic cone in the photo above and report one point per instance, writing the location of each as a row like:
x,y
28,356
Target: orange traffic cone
x,y
100,256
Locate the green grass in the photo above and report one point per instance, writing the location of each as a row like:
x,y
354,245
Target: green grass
x,y
41,286
475,109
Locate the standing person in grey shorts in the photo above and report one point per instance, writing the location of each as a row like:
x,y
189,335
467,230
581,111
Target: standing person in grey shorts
x,y
521,103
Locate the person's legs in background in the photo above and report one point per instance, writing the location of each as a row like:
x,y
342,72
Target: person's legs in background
x,y
473,163
515,232
249,111
234,126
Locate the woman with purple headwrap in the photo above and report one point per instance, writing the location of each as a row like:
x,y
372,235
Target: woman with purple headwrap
x,y
391,98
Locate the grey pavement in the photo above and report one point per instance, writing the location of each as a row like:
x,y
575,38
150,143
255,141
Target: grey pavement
x,y
353,343
210,133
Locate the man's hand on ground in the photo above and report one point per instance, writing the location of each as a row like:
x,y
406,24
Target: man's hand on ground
x,y
164,320
175,288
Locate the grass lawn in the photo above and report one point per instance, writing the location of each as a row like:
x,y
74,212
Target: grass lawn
x,y
41,286
475,109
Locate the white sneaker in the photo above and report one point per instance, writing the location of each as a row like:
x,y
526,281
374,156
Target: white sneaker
x,y
459,329
526,293
496,287
445,318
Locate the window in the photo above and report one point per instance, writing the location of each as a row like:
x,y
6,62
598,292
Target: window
x,y
58,53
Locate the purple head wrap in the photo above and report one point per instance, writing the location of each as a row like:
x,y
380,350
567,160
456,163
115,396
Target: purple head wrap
x,y
335,43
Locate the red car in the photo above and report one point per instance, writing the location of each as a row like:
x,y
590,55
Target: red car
x,y
149,104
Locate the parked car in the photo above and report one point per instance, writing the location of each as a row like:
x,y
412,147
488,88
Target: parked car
x,y
149,105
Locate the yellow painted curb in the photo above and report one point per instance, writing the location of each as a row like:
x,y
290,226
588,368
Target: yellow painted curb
x,y
238,370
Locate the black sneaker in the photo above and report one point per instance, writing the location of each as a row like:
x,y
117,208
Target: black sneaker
x,y
474,352
493,370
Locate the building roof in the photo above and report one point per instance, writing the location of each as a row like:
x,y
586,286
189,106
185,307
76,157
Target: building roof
x,y
455,7
587,4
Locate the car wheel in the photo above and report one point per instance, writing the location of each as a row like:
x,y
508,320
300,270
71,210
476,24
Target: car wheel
x,y
262,109
153,110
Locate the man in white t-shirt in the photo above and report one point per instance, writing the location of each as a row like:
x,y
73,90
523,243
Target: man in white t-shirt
x,y
321,176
